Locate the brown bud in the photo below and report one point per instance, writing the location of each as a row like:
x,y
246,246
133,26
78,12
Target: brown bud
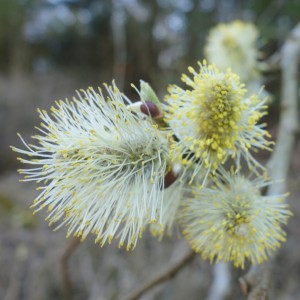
x,y
170,178
150,109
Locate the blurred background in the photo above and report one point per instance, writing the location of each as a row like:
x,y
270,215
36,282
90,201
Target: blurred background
x,y
50,48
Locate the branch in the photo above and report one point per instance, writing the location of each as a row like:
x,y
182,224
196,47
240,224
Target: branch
x,y
168,274
256,282
280,160
66,281
221,282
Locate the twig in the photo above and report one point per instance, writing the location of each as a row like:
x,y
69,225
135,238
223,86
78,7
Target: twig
x,y
272,63
256,282
168,274
221,281
64,268
118,20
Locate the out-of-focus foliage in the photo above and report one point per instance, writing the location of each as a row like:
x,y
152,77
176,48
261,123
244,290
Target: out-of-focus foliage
x,y
134,38
12,18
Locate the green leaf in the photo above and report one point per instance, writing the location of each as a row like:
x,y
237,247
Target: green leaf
x,y
148,94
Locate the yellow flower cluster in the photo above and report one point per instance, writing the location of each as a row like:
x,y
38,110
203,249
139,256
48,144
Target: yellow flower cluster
x,y
213,120
231,221
233,45
100,167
